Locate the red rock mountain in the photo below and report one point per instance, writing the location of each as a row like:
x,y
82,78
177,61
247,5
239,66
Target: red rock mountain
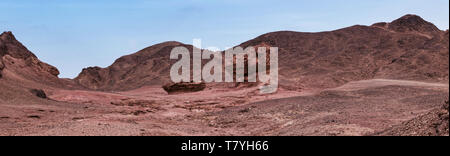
x,y
17,59
150,66
23,77
408,48
19,65
329,59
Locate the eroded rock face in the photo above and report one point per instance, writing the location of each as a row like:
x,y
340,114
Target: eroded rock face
x,y
10,46
91,77
1,65
19,65
1,68
39,93
15,52
176,88
41,66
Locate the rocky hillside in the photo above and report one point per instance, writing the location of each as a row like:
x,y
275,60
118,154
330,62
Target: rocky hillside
x,y
408,48
18,63
23,77
150,66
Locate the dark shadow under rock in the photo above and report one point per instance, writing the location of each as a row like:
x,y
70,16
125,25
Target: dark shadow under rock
x,y
39,93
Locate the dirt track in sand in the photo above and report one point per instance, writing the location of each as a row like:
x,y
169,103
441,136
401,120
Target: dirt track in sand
x,y
364,84
357,108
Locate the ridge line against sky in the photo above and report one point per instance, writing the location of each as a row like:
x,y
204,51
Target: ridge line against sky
x,y
74,34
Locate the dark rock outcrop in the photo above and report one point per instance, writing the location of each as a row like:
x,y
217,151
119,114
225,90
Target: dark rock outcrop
x,y
1,68
39,93
184,87
10,46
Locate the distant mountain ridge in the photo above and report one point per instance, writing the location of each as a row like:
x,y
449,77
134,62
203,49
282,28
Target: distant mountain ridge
x,y
407,48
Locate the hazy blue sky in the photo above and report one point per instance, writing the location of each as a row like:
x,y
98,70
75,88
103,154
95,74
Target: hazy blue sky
x,y
72,34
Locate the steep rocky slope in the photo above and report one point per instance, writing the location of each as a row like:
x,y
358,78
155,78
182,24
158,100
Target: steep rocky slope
x,y
23,77
12,50
19,65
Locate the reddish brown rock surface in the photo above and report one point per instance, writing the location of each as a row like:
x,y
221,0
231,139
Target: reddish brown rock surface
x,y
150,66
408,48
434,123
17,63
413,23
329,59
386,79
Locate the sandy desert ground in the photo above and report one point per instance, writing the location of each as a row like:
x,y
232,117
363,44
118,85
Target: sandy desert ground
x,y
357,108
